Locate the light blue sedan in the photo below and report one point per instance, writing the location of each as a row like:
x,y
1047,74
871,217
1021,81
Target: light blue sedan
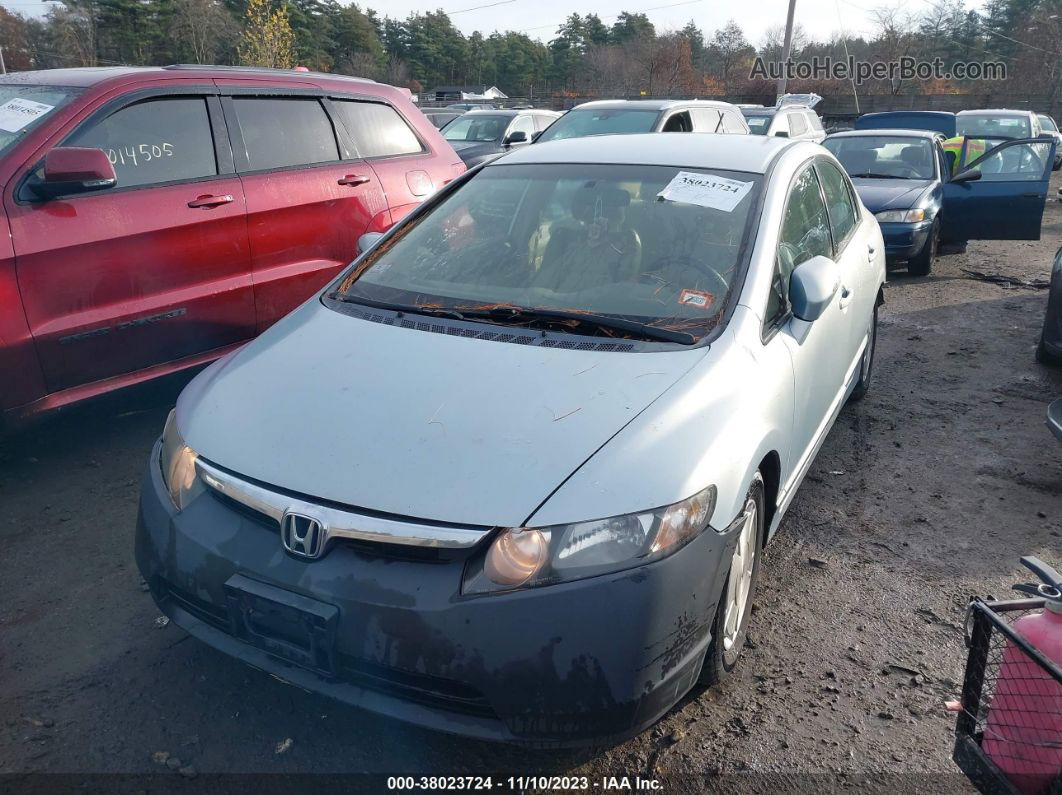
x,y
510,476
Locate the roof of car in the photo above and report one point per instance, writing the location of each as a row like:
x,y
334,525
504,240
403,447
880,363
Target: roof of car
x,y
751,153
994,112
877,131
85,77
771,111
650,104
508,112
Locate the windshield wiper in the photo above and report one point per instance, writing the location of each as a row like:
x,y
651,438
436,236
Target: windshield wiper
x,y
409,309
506,313
878,176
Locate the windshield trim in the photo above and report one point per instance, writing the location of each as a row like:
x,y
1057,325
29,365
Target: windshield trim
x,y
741,266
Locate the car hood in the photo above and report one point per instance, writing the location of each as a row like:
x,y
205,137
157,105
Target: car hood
x,y
889,194
419,424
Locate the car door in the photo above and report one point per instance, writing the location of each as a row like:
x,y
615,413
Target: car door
x,y
524,123
407,170
154,270
820,351
853,252
1006,199
307,203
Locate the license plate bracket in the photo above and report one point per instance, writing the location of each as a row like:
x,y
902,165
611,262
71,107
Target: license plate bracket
x,y
287,625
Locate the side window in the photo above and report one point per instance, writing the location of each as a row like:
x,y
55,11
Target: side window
x,y
797,124
815,121
780,123
732,124
542,122
1014,163
805,234
378,130
279,133
680,122
524,124
705,119
839,202
158,140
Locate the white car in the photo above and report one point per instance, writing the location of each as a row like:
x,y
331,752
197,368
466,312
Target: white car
x,y
511,474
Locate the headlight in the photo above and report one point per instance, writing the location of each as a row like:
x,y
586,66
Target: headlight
x,y
178,465
902,216
526,557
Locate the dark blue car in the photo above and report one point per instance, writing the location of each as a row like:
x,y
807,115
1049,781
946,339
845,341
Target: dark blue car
x,y
996,191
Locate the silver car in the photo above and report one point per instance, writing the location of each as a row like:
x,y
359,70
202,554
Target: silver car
x,y
511,475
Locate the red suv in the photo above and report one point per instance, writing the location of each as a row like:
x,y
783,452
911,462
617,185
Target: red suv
x,y
156,218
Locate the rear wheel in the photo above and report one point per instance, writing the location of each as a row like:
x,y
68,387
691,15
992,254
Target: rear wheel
x,y
922,262
866,364
732,614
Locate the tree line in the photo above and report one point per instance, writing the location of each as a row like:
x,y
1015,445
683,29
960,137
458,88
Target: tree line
x,y
584,57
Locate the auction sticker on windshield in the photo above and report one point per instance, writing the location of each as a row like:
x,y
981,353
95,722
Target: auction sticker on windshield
x,y
705,190
17,113
696,298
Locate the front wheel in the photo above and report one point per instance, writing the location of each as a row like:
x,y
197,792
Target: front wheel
x,y
732,614
922,262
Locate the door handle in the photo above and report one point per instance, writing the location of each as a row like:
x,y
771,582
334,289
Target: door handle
x,y
206,201
871,249
355,179
846,297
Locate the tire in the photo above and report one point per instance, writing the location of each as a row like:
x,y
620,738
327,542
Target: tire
x,y
922,262
725,649
1044,356
866,366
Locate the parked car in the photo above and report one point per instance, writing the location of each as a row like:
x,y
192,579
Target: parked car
x,y
903,177
525,452
1049,349
788,121
440,118
621,116
939,121
482,135
156,218
1048,126
464,107
997,123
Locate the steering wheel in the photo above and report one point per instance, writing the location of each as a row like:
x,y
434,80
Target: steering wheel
x,y
720,286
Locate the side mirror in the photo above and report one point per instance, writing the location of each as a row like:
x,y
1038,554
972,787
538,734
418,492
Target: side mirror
x,y
518,137
813,286
781,134
72,169
969,175
367,241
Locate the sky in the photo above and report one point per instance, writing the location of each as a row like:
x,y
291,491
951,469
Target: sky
x,y
540,18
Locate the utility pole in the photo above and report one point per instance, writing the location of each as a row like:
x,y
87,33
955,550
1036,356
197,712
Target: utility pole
x,y
787,47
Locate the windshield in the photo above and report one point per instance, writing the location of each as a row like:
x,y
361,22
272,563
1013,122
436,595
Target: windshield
x,y
476,128
884,156
575,238
24,106
1048,123
758,124
984,126
581,123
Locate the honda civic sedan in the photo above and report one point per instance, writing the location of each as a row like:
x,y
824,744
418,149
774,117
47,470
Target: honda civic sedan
x,y
511,474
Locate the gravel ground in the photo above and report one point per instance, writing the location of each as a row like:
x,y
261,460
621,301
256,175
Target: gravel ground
x,y
924,495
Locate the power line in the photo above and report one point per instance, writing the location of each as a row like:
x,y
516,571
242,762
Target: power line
x,y
477,8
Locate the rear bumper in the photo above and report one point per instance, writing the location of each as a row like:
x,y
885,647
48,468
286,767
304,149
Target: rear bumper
x,y
589,662
903,241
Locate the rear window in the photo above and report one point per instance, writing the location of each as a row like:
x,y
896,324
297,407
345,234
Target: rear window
x,y
993,126
581,123
758,124
378,130
280,133
24,107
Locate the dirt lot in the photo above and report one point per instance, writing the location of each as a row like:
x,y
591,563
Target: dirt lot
x,y
924,494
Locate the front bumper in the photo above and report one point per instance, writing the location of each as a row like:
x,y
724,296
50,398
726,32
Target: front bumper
x,y
903,241
592,661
